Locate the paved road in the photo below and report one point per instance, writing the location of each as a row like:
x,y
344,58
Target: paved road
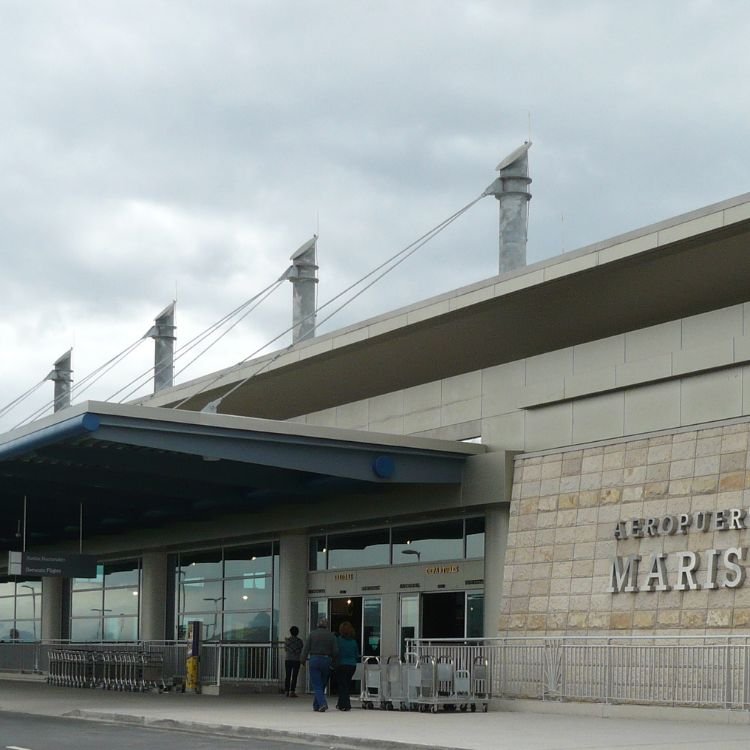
x,y
26,732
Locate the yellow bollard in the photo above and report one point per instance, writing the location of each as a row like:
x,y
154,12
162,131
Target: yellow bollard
x,y
192,664
192,674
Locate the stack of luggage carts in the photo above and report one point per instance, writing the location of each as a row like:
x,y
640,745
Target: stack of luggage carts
x,y
423,684
134,670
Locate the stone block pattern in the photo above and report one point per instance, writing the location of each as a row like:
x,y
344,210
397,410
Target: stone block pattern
x,y
564,510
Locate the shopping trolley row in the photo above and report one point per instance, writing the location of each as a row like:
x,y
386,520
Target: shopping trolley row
x,y
423,684
110,670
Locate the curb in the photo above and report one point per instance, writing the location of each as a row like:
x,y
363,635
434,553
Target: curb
x,y
258,733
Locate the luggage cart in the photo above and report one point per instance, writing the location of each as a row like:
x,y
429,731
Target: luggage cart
x,y
462,687
152,672
97,669
66,668
358,676
472,686
412,680
80,672
372,692
394,685
54,675
108,671
122,670
481,684
437,685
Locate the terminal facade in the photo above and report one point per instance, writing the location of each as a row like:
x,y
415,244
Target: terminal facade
x,y
561,449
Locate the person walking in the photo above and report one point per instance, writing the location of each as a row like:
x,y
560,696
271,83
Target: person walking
x,y
346,664
322,648
293,646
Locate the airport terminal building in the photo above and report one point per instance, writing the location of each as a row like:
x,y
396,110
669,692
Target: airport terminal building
x,y
561,449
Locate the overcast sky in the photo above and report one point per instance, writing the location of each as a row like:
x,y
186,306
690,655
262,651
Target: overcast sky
x,y
152,149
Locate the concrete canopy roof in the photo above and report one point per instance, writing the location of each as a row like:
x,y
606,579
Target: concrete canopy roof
x,y
140,467
683,266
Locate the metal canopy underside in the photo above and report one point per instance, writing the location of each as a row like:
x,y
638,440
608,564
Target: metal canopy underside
x,y
139,467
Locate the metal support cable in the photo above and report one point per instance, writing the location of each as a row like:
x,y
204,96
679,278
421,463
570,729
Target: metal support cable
x,y
19,399
101,371
257,299
386,267
262,299
248,305
87,380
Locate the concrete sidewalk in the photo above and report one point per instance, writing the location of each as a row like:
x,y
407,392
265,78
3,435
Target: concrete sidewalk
x,y
280,717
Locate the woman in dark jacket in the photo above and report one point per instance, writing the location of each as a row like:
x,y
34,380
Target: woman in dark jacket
x,y
347,662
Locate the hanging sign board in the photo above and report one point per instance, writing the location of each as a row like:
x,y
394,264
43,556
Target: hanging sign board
x,y
51,564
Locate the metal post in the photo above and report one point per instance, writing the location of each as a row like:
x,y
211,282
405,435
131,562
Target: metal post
x,y
608,671
302,275
23,542
218,665
513,196
62,376
162,333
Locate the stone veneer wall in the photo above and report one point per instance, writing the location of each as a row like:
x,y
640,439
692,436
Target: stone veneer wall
x,y
564,510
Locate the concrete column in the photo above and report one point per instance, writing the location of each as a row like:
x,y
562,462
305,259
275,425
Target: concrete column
x,y
52,593
495,544
154,597
293,562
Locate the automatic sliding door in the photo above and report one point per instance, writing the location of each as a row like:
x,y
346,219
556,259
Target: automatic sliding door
x,y
371,627
409,620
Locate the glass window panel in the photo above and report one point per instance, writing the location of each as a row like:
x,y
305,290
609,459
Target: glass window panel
x,y
371,627
27,630
200,565
84,603
240,561
121,601
318,610
211,625
29,585
120,628
318,553
28,607
7,608
5,630
358,549
88,629
475,537
7,588
79,584
248,593
247,626
409,619
200,596
474,615
275,625
276,582
428,542
206,619
121,574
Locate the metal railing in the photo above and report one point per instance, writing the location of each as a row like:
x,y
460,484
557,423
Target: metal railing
x,y
705,671
220,662
246,662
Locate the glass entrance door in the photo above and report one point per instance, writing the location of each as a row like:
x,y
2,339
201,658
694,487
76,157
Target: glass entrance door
x,y
364,613
371,626
444,614
346,609
409,620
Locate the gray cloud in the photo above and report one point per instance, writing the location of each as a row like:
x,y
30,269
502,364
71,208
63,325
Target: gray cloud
x,y
162,145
